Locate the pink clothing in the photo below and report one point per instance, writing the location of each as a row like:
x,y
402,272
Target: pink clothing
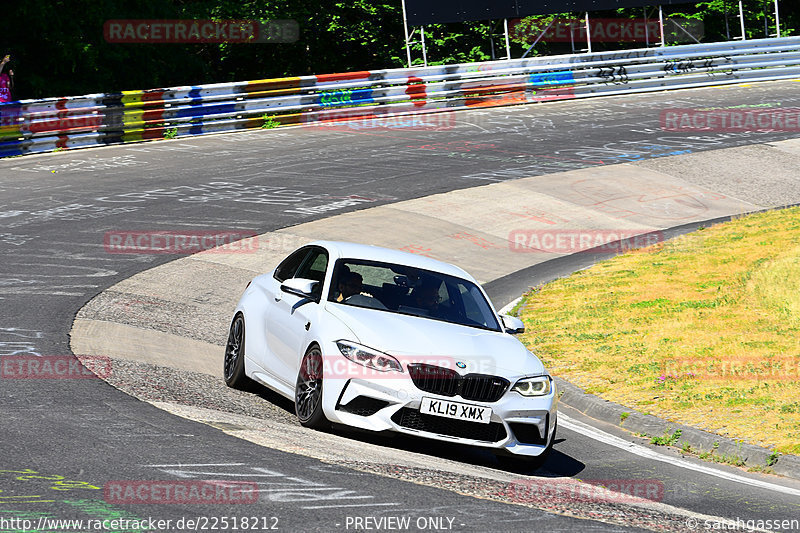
x,y
5,87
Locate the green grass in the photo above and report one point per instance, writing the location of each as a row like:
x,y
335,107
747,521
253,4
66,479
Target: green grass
x,y
702,330
776,285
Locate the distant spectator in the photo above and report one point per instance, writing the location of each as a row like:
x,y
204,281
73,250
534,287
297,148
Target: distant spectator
x,y
6,79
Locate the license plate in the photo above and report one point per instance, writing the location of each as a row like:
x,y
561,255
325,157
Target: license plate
x,y
457,410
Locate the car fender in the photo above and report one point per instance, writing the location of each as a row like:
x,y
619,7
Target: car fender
x,y
252,305
327,330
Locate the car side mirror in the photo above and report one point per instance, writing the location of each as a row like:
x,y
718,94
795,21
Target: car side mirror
x,y
304,288
512,324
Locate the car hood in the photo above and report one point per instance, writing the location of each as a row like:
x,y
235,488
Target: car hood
x,y
415,339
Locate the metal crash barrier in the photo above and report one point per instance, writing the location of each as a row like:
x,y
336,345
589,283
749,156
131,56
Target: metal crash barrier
x,y
50,124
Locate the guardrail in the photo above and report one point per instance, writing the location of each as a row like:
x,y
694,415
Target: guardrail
x,y
31,126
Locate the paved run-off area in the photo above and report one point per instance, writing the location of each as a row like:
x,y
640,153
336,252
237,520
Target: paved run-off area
x,y
176,315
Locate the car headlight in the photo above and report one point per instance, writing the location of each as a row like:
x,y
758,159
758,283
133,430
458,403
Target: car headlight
x,y
368,357
538,386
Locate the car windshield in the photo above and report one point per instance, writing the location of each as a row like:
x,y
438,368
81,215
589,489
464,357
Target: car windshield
x,y
410,291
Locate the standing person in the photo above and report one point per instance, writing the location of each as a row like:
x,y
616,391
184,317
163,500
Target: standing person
x,y
6,79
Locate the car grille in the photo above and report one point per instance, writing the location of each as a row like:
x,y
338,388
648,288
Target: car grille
x,y
448,382
413,419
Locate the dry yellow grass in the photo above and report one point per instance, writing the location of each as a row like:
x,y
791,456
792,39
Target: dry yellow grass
x,y
701,330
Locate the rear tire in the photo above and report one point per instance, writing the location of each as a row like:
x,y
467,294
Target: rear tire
x,y
233,364
308,391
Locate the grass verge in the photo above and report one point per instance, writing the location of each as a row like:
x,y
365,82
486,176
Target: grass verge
x,y
701,330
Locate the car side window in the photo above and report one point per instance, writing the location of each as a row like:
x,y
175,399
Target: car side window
x,y
314,266
289,266
475,306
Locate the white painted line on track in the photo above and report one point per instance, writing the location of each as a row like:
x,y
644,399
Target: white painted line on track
x,y
197,464
647,453
349,505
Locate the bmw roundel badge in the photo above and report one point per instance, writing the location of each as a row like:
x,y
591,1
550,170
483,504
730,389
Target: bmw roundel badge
x,y
461,365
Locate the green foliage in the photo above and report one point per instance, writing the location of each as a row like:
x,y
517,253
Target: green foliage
x,y
70,55
58,47
720,20
713,15
667,439
170,133
527,30
734,460
269,122
773,458
457,43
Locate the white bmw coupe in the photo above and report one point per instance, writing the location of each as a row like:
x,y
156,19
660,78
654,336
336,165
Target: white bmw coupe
x,y
385,340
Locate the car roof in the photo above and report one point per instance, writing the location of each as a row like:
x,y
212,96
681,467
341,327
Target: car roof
x,y
352,250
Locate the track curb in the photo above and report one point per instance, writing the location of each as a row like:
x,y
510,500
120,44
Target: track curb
x,y
652,426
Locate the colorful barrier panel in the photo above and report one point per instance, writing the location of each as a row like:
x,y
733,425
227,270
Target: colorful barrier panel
x,y
34,126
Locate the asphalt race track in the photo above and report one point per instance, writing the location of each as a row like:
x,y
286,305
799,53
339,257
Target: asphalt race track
x,y
63,441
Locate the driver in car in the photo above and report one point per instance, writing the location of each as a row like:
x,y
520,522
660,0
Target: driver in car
x,y
350,284
426,297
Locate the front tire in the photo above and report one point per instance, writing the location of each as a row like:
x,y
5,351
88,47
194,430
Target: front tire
x,y
233,364
308,391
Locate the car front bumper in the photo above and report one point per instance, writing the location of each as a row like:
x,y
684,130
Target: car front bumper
x,y
518,425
